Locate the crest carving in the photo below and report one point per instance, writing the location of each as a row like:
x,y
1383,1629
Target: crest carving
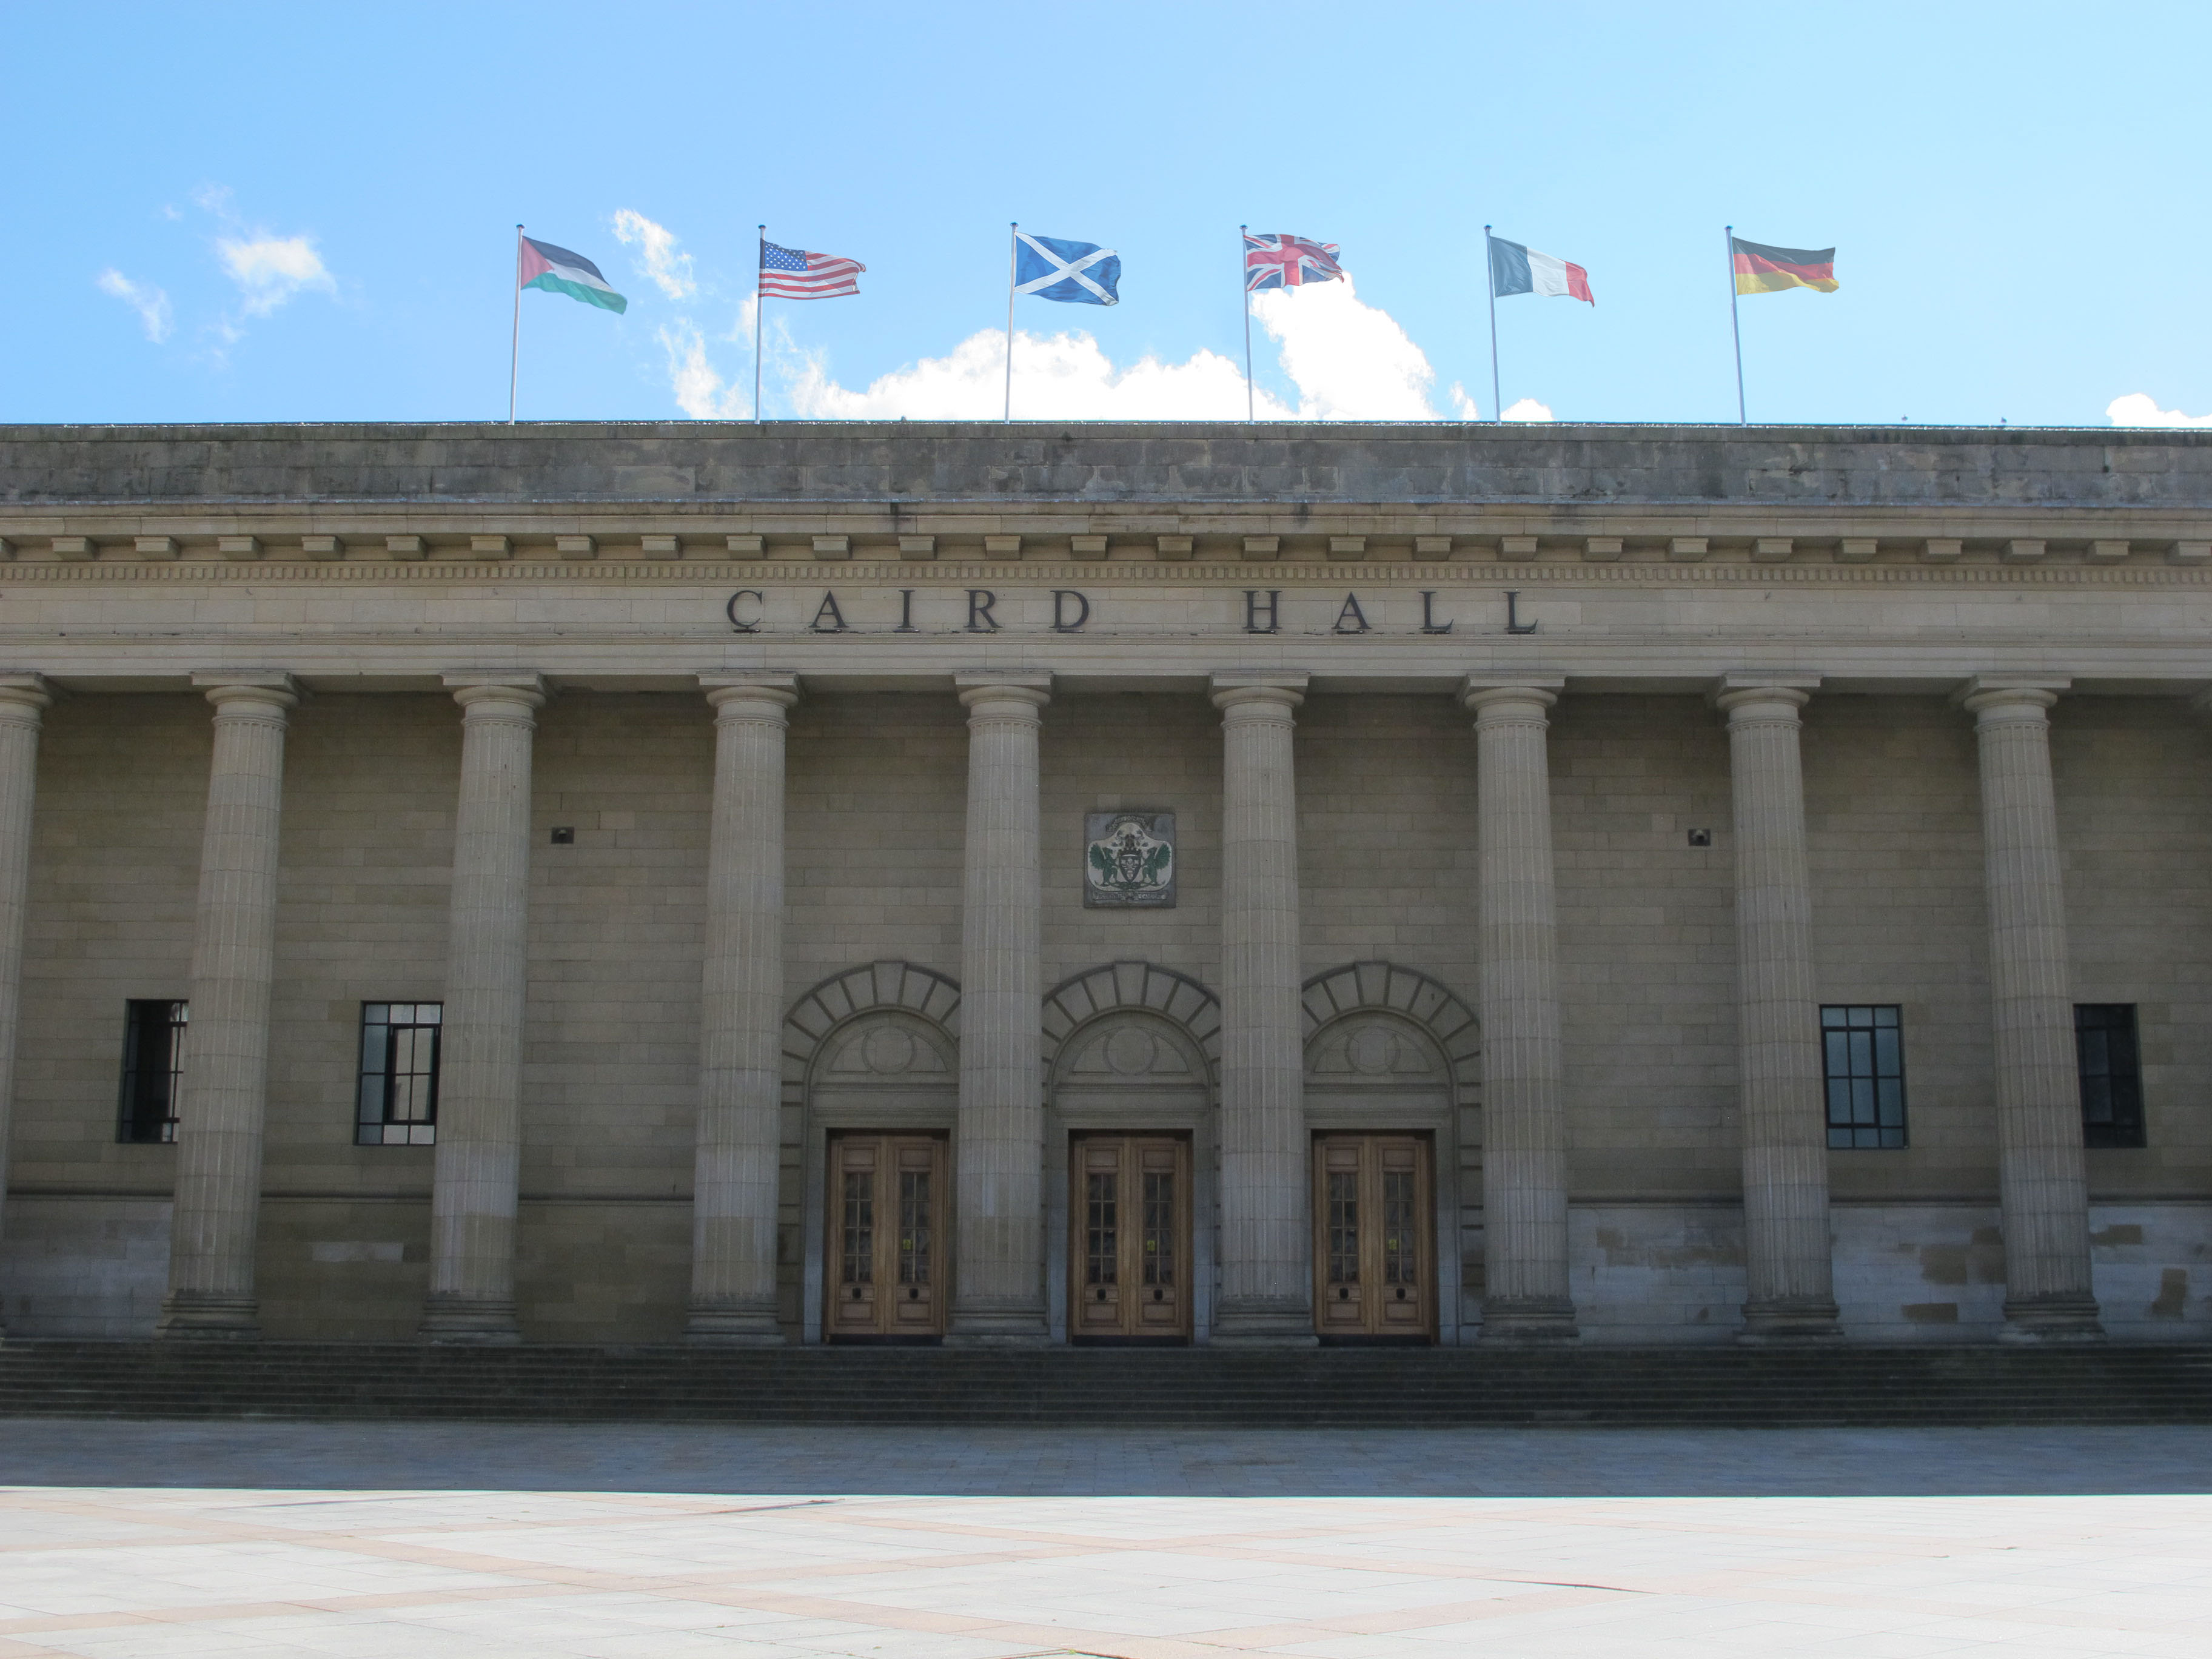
x,y
1130,861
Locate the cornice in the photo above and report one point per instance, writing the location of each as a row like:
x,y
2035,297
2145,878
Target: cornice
x,y
1461,572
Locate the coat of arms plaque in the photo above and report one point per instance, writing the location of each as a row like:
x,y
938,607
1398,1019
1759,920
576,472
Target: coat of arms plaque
x,y
1130,861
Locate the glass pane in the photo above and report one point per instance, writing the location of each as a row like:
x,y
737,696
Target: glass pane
x,y
1400,1259
1101,1248
1887,1062
914,1227
858,1224
1344,1227
1159,1230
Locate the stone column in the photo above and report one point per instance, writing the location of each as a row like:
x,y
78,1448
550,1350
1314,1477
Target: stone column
x,y
1266,1161
23,700
225,1074
998,1262
1779,1077
472,1204
2041,1176
734,1182
1524,1129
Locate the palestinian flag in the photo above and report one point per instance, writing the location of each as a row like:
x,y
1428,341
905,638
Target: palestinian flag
x,y
559,272
1763,270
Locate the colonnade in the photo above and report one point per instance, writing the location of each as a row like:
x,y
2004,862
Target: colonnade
x,y
1266,1239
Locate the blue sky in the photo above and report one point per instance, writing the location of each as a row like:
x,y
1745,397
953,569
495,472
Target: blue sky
x,y
247,212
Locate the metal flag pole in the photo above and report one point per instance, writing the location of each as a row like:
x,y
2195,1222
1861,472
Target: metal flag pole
x,y
1013,258
514,348
759,265
1735,328
1489,287
1244,280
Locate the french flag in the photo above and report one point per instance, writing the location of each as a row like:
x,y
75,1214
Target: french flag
x,y
1515,269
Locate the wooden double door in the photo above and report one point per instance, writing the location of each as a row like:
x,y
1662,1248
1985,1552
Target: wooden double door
x,y
889,1226
1375,1277
1130,1251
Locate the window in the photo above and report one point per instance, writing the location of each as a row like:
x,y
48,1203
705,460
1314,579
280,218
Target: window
x,y
2111,1074
153,1067
1864,1057
399,1095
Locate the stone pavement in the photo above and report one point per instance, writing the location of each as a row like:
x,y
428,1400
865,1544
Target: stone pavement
x,y
128,1540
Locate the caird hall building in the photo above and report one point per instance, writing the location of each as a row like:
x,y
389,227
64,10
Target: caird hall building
x,y
1178,884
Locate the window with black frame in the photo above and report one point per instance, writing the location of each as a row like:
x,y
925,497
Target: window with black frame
x,y
153,1069
397,1103
2110,1061
1863,1050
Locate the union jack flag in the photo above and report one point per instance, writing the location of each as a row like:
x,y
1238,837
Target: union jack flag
x,y
1280,261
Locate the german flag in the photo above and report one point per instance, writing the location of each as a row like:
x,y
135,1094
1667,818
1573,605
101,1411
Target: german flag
x,y
1762,269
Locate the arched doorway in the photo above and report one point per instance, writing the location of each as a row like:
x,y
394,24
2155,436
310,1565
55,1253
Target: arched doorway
x,y
1131,1152
1392,1061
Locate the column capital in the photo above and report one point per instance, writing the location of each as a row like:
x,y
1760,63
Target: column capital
x,y
1536,691
224,686
27,690
1238,687
779,691
1733,691
471,686
979,686
2019,693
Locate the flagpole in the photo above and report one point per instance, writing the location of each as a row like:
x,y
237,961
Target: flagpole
x,y
758,302
1735,328
515,347
1013,258
1489,287
1244,282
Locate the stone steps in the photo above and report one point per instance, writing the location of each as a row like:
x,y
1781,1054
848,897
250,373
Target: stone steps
x,y
1172,1389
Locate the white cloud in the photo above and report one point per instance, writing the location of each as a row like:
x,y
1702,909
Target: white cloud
x,y
269,269
151,304
1528,409
698,386
1346,361
2141,409
661,263
1350,361
1463,406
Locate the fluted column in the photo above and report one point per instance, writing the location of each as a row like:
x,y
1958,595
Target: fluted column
x,y
1784,1116
1524,1131
2041,1179
23,701
1266,1178
225,1093
998,1265
733,1195
473,1195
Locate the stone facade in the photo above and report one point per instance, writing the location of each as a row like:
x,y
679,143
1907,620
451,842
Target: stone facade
x,y
1532,792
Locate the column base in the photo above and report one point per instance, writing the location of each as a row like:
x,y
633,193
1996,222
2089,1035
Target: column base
x,y
209,1317
1790,1320
1529,1319
1263,1322
2062,1316
477,1321
732,1325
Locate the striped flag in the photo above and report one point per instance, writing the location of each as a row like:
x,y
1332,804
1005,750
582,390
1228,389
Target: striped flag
x,y
556,270
786,273
1763,270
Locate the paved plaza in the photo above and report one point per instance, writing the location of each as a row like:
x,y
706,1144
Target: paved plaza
x,y
131,1541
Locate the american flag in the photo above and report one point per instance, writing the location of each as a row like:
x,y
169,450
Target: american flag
x,y
1281,261
785,273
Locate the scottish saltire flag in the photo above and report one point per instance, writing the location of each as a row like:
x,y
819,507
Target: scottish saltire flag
x,y
1515,269
1281,261
559,272
1078,273
790,273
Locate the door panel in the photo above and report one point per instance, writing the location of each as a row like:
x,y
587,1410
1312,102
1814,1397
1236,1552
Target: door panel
x,y
1374,1243
1129,1257
886,1237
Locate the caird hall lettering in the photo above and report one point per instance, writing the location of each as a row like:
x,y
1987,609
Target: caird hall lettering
x,y
983,610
